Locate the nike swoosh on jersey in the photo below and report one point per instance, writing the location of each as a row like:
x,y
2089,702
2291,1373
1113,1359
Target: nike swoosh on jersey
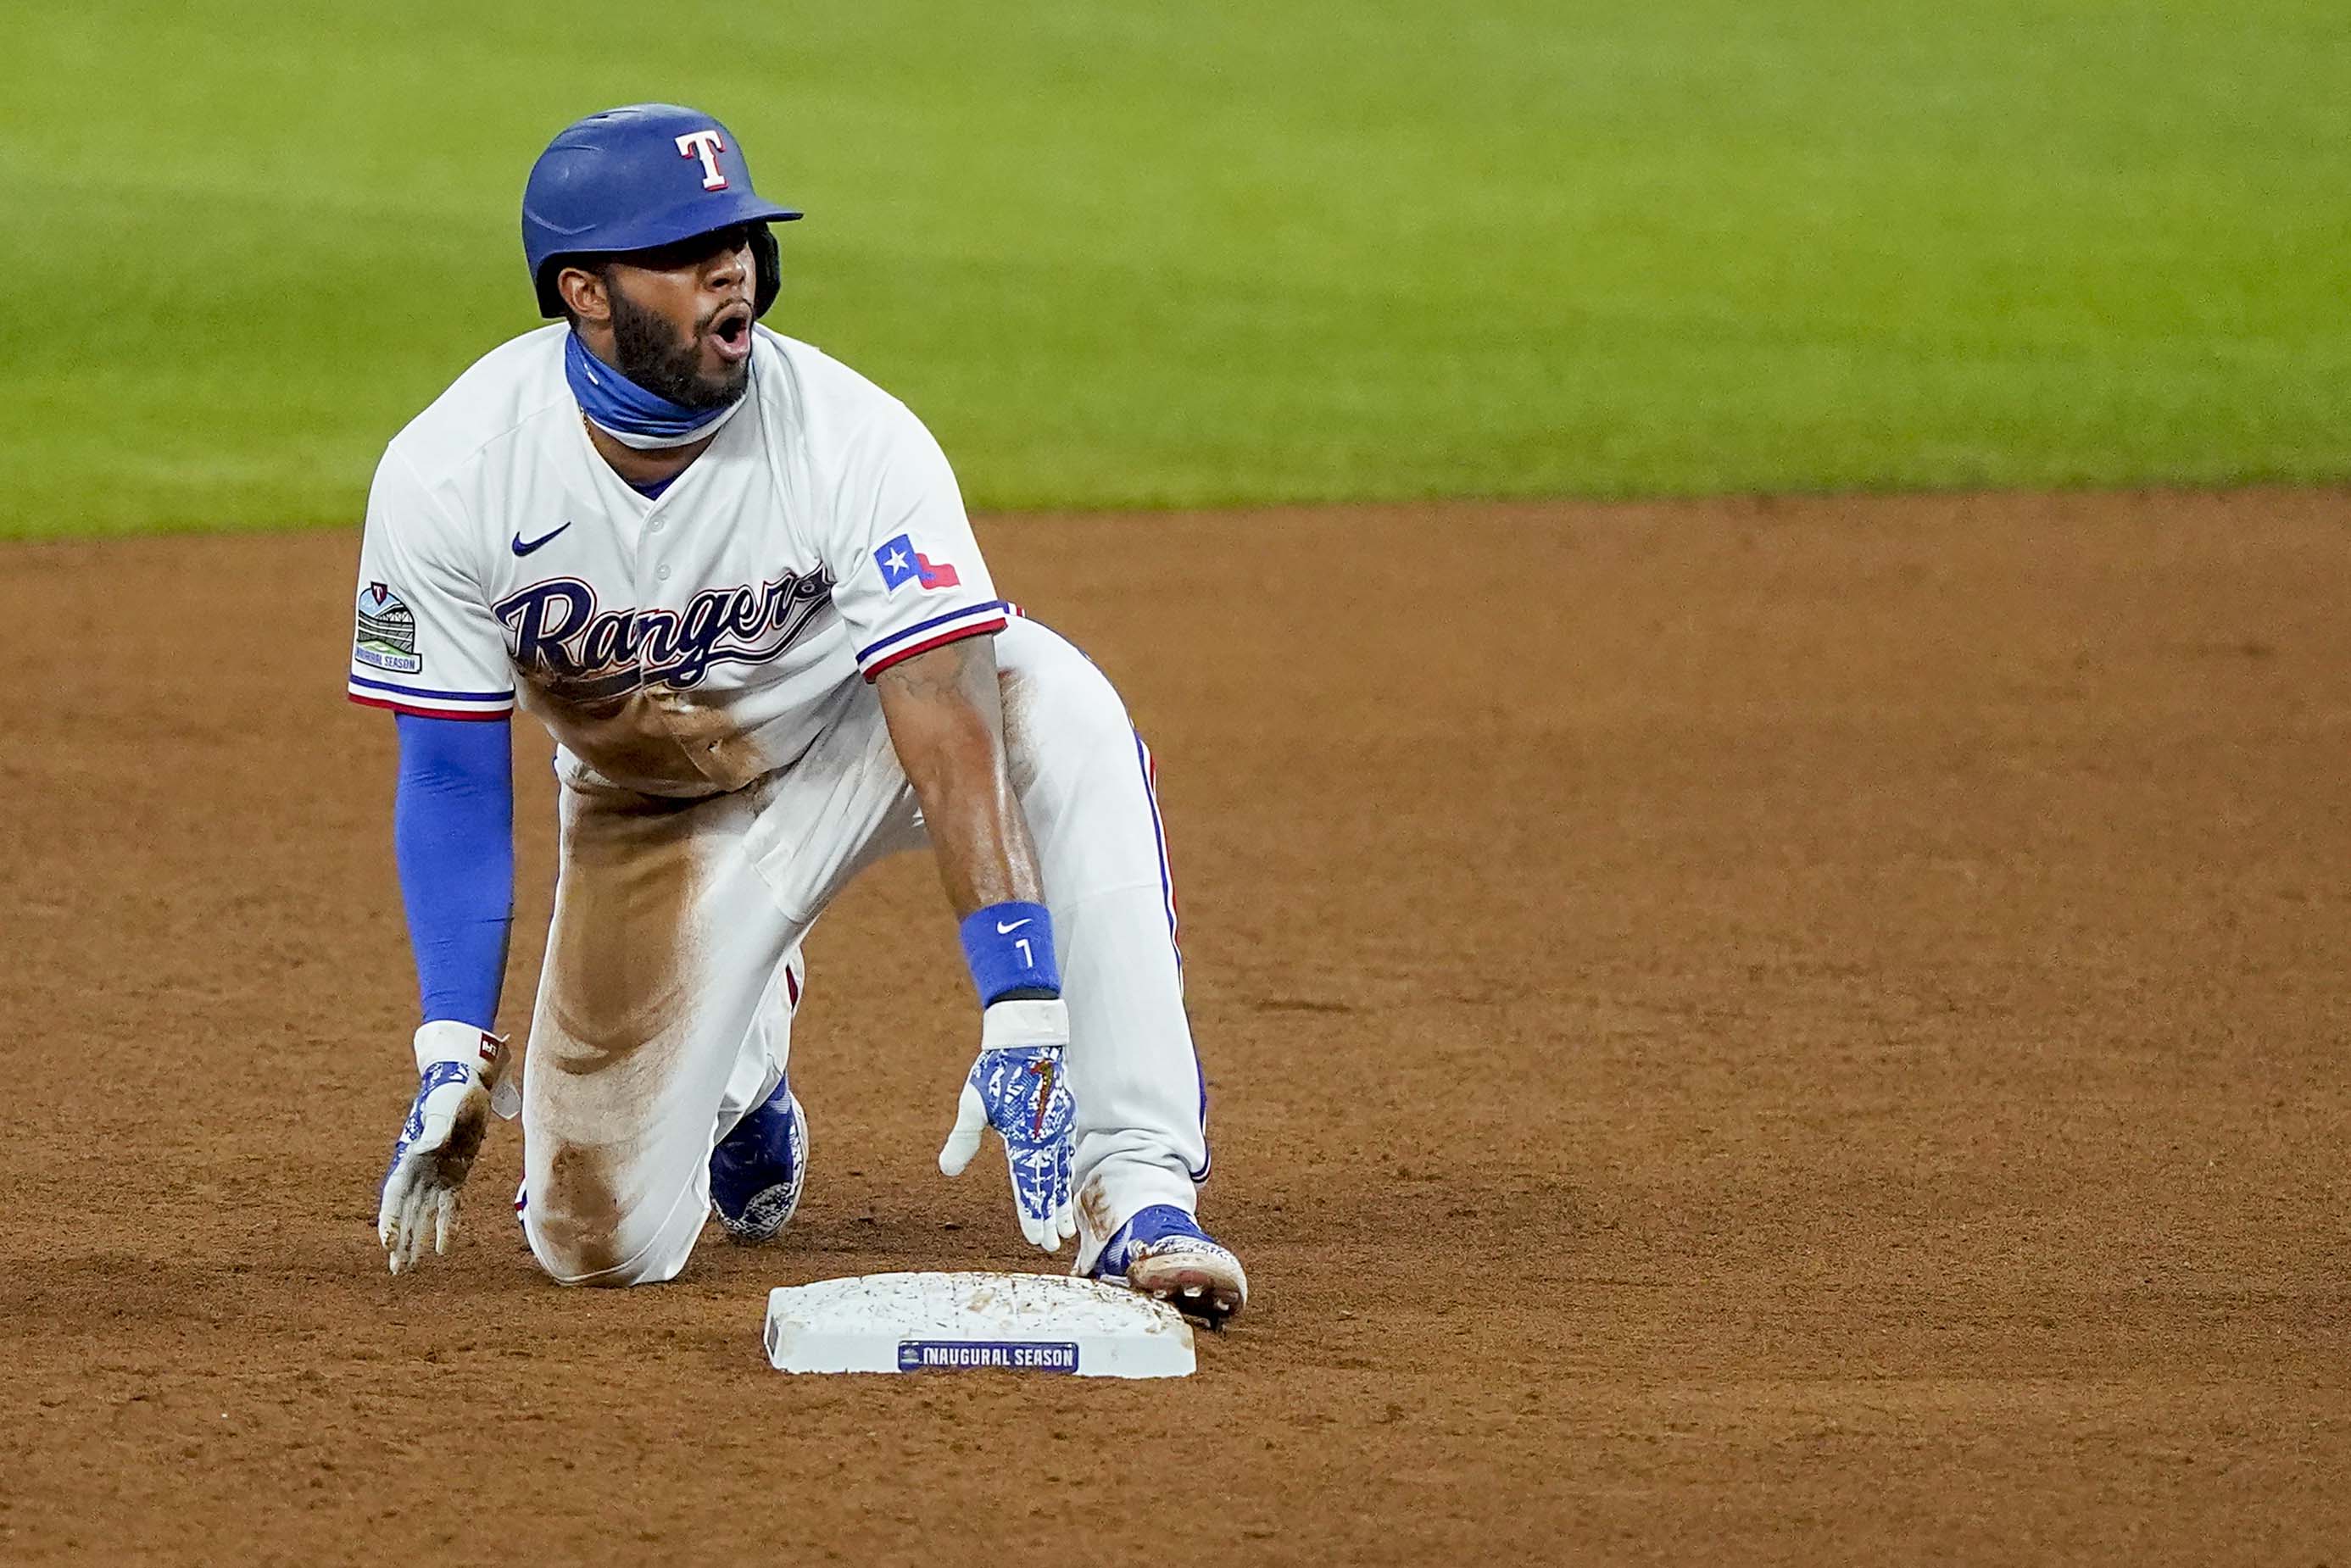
x,y
523,547
1004,931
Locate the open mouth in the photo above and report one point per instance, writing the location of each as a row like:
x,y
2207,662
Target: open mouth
x,y
730,333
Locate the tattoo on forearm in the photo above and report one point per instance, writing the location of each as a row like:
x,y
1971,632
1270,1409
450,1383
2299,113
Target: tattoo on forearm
x,y
943,673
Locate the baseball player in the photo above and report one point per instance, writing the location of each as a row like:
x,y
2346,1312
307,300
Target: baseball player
x,y
735,582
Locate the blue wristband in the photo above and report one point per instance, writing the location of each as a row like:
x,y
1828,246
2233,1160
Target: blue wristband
x,y
1010,947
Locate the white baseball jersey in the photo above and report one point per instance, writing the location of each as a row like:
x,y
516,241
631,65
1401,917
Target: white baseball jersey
x,y
680,645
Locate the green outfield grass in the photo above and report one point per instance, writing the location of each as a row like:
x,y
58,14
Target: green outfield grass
x,y
1124,254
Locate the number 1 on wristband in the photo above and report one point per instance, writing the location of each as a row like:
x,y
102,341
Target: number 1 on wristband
x,y
1003,963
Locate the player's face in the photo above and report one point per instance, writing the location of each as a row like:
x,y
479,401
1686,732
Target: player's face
x,y
682,318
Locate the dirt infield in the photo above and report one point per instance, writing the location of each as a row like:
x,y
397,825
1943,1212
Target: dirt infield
x,y
1757,1032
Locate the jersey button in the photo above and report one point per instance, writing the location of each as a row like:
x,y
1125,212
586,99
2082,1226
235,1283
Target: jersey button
x,y
656,524
663,574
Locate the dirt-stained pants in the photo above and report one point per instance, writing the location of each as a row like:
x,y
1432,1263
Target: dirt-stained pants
x,y
663,1013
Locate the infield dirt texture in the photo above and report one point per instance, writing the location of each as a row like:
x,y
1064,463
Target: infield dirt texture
x,y
1760,1032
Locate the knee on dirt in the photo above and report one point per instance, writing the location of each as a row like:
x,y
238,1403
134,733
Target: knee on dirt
x,y
584,1231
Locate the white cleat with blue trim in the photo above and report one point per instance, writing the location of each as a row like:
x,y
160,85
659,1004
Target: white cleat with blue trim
x,y
1162,1253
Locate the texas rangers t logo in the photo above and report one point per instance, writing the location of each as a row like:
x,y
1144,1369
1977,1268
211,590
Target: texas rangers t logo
x,y
902,564
706,146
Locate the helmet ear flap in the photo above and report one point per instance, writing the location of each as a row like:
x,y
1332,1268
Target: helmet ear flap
x,y
768,265
551,298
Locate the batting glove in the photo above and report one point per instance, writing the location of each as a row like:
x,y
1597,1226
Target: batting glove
x,y
1016,1088
462,1078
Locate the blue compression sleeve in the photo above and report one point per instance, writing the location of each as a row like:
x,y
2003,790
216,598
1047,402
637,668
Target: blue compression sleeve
x,y
453,833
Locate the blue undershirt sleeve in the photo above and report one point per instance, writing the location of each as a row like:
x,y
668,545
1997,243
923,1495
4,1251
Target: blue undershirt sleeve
x,y
453,835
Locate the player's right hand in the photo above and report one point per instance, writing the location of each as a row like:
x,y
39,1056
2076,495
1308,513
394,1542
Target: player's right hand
x,y
1017,1087
462,1078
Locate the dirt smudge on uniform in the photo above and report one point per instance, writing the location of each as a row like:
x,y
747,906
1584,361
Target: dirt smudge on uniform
x,y
1095,1220
615,1003
1020,753
656,739
624,739
580,1207
706,738
618,964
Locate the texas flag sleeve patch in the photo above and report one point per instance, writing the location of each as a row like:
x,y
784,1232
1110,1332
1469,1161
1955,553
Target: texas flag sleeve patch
x,y
913,602
902,564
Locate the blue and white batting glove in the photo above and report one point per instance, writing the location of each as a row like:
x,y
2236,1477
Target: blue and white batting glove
x,y
462,1078
1016,1088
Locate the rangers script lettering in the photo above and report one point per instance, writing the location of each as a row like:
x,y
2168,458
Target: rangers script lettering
x,y
554,629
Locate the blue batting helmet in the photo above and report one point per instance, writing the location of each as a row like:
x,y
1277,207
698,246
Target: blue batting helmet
x,y
634,178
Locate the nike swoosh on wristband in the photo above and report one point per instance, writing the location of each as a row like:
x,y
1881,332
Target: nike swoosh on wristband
x,y
1004,931
521,547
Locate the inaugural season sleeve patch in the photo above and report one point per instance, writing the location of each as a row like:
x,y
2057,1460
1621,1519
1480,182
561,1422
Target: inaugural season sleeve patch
x,y
386,637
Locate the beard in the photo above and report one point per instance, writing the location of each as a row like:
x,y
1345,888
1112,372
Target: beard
x,y
653,356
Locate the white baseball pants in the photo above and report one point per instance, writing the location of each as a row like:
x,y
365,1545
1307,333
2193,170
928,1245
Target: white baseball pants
x,y
665,1013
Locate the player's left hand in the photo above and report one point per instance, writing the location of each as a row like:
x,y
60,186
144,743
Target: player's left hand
x,y
1016,1088
462,1077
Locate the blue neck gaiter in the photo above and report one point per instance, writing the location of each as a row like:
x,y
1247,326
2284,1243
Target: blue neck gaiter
x,y
627,412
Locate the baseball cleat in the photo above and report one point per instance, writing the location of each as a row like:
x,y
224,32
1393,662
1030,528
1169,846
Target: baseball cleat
x,y
757,1169
1162,1252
